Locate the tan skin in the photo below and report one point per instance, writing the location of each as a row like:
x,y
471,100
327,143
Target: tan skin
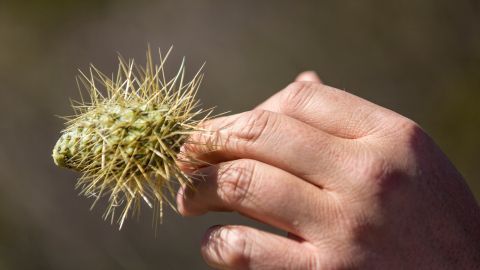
x,y
355,185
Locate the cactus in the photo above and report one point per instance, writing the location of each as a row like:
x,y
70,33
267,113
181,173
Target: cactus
x,y
126,138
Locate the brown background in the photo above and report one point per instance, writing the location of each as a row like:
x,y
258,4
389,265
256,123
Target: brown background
x,y
419,58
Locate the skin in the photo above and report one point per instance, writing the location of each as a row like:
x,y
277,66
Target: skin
x,y
355,185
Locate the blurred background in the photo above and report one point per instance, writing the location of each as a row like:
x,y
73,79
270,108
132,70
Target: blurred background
x,y
419,58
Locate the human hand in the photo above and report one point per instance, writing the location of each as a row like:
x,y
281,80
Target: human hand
x,y
355,186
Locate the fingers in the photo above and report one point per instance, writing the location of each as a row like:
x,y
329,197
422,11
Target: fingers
x,y
271,138
260,191
331,110
240,247
308,76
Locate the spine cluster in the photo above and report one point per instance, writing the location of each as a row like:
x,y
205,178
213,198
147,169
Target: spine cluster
x,y
125,139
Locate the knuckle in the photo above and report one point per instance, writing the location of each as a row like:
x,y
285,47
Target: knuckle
x,y
412,146
297,95
402,131
228,246
369,166
377,176
405,139
407,129
235,181
253,124
374,168
414,135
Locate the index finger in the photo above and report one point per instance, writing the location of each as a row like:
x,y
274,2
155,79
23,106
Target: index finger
x,y
271,138
329,109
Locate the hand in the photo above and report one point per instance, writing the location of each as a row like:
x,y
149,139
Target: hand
x,y
355,186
